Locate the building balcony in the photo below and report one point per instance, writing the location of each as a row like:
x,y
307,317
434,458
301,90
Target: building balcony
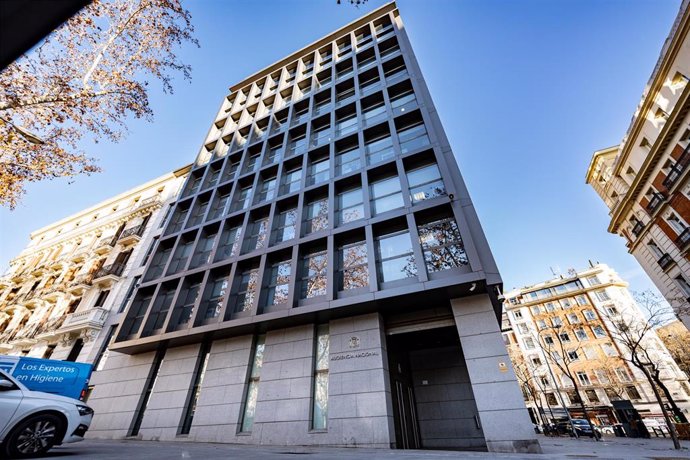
x,y
93,318
79,255
665,261
655,202
677,169
109,274
131,235
54,294
38,271
79,285
637,229
683,240
104,245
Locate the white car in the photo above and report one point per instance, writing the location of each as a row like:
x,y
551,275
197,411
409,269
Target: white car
x,y
31,422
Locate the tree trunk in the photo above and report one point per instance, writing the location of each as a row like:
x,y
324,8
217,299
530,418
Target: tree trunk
x,y
674,407
584,411
669,423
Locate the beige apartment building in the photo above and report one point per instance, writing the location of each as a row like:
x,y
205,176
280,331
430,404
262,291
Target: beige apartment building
x,y
644,180
574,311
63,293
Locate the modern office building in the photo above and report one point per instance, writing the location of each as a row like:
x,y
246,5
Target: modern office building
x,y
324,279
644,180
62,294
572,315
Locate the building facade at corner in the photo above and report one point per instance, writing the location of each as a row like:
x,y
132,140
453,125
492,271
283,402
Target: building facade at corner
x,y
573,315
324,279
62,295
644,180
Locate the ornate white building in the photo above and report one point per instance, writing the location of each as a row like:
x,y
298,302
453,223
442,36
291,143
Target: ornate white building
x,y
62,292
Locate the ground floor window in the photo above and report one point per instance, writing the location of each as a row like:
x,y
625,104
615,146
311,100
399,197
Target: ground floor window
x,y
320,390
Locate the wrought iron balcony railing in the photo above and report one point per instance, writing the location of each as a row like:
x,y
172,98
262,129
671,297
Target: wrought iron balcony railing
x,y
683,240
654,203
665,261
134,231
112,269
677,169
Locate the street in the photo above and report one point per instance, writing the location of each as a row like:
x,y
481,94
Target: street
x,y
554,448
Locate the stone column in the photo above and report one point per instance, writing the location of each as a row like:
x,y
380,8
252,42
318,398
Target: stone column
x,y
501,409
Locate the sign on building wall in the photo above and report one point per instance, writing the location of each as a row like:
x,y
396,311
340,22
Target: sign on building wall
x,y
63,378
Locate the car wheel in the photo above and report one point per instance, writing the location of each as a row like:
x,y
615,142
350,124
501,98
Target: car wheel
x,y
34,436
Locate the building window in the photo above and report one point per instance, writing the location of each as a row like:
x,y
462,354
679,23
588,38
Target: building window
x,y
602,296
564,337
136,315
278,288
551,399
395,258
580,334
179,259
425,183
573,396
291,181
247,290
159,310
199,211
573,318
573,355
593,280
589,315
100,300
623,375
267,190
249,409
184,310
286,226
347,160
158,262
320,390
609,349
202,254
517,314
412,136
583,378
319,171
386,195
602,376
599,331
581,300
243,199
350,205
379,149
354,267
632,392
683,285
197,379
215,296
314,274
178,219
229,245
259,236
317,215
442,245
529,343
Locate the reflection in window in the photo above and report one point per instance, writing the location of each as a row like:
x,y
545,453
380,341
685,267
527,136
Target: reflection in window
x,y
229,244
179,259
395,257
425,183
386,195
350,206
442,245
347,161
219,205
314,269
354,268
185,304
253,385
259,237
320,390
319,172
279,284
247,290
317,215
215,297
286,226
202,255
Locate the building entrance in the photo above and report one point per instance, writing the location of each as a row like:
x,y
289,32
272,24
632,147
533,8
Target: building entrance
x,y
433,403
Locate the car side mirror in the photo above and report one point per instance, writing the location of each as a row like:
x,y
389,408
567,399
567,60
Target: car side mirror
x,y
6,385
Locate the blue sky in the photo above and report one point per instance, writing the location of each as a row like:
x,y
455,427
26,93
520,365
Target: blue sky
x,y
526,91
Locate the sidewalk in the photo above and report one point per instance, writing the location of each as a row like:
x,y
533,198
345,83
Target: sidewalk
x,y
554,448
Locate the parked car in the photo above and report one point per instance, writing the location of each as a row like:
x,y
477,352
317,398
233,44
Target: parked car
x,y
31,422
582,428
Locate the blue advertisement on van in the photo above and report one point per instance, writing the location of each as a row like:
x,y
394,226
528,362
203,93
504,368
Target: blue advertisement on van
x,y
64,378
